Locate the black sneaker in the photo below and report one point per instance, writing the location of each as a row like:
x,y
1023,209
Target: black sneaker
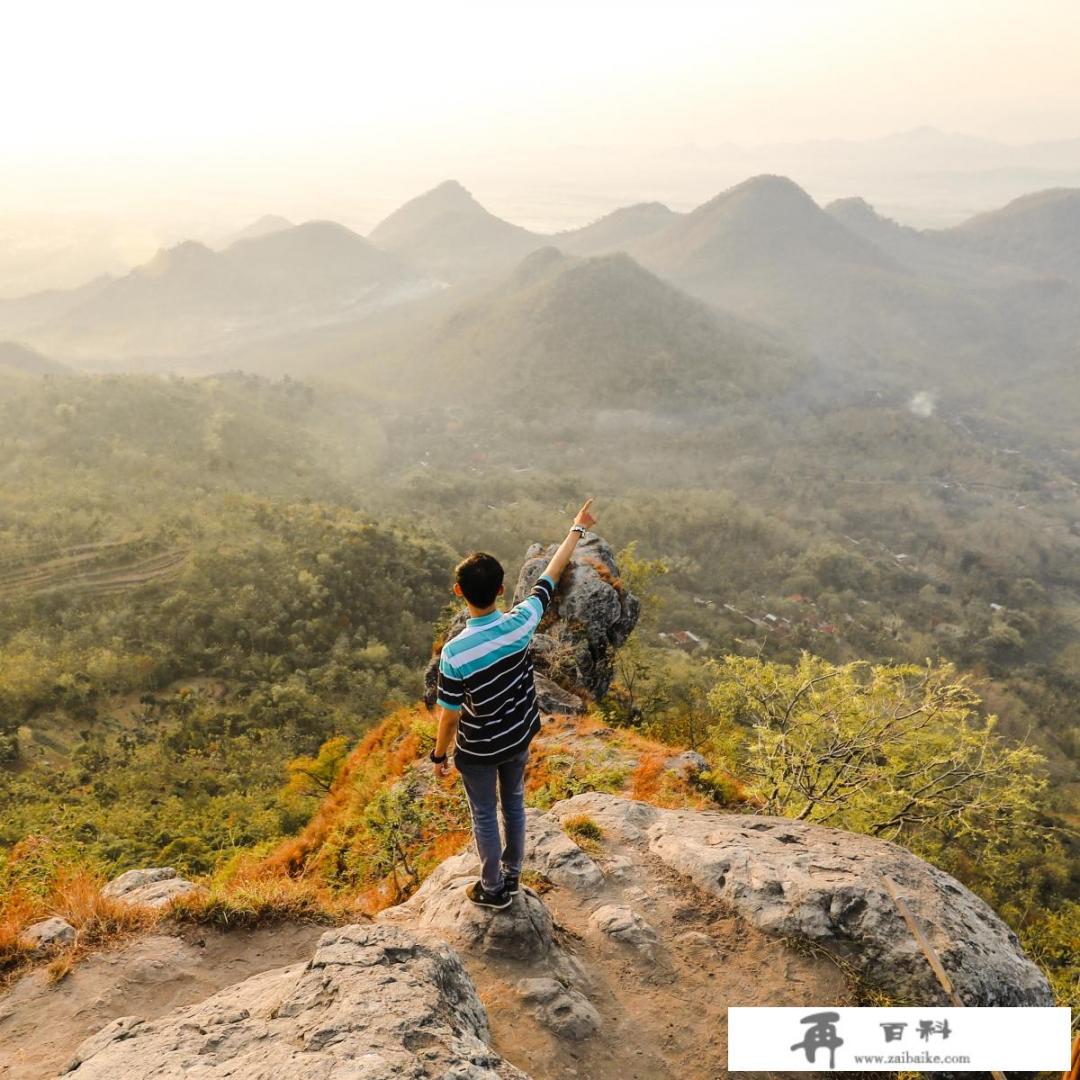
x,y
482,898
512,883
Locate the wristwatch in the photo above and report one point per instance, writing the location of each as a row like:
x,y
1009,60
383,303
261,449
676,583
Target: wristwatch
x,y
437,759
579,529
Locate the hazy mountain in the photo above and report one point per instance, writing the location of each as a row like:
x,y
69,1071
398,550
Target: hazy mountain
x,y
18,359
190,299
268,223
449,233
924,251
764,221
1040,231
596,333
319,260
615,231
765,251
21,313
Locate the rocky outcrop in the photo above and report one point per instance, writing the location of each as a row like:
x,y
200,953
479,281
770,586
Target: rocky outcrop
x,y
523,931
826,886
592,615
550,852
374,1003
668,909
152,887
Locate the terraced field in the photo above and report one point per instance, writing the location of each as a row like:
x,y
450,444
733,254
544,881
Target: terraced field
x,y
108,566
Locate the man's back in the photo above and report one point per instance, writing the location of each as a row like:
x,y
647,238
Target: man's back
x,y
485,671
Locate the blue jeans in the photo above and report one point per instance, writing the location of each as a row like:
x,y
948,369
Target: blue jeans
x,y
480,783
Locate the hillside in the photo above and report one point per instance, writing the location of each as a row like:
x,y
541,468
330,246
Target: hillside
x,y
765,251
450,234
16,359
1040,231
598,333
923,252
615,231
190,299
263,226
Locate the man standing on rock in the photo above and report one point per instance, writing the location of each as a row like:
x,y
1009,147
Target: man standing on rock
x,y
487,700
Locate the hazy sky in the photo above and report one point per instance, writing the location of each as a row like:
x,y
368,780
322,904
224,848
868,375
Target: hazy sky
x,y
116,73
199,102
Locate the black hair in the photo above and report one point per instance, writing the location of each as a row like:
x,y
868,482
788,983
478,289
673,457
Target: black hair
x,y
480,576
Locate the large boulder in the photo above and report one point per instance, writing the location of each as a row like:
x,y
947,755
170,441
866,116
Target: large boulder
x,y
827,886
592,615
523,931
154,886
374,1003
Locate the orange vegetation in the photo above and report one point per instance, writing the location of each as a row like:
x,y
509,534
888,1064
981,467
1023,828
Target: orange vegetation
x,y
74,895
382,756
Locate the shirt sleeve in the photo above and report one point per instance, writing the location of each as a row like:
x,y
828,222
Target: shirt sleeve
x,y
451,690
537,602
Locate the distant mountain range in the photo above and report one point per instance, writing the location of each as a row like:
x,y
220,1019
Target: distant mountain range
x,y
190,299
443,285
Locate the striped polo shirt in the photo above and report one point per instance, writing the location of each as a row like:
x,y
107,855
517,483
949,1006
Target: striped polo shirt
x,y
485,671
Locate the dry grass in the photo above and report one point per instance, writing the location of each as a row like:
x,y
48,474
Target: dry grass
x,y
381,757
654,783
260,899
74,895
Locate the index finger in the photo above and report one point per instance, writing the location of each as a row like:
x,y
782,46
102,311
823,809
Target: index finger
x,y
588,503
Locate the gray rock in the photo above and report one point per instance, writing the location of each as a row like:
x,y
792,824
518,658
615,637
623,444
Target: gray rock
x,y
552,853
825,885
50,934
137,879
626,925
595,612
523,931
152,887
554,700
626,819
374,1003
589,620
561,1009
689,763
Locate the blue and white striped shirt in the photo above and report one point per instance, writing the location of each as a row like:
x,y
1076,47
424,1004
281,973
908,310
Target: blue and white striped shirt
x,y
485,671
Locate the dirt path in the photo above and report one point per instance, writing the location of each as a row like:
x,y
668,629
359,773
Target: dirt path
x,y
663,1014
40,1025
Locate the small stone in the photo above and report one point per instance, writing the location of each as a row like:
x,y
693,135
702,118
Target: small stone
x,y
625,925
561,1009
50,934
688,764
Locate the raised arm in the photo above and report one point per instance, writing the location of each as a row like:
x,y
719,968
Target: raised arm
x,y
583,521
